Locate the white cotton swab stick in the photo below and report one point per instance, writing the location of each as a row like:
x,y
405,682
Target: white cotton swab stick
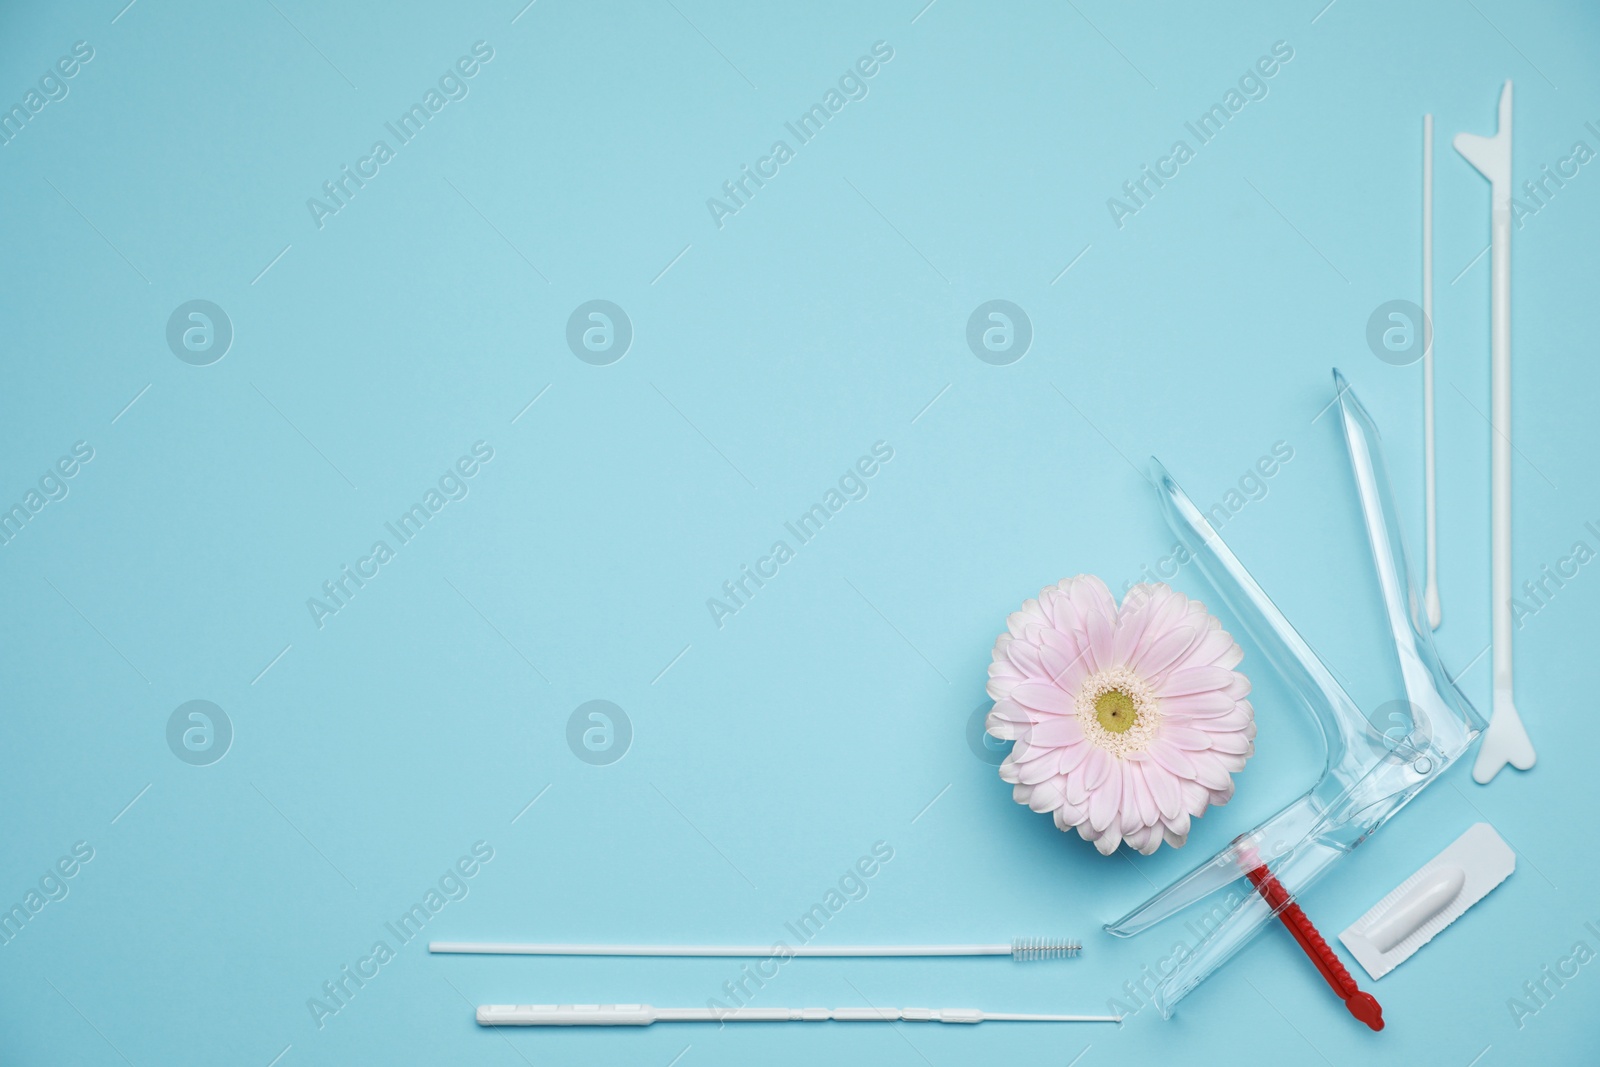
x,y
1506,741
1030,948
1431,502
645,1015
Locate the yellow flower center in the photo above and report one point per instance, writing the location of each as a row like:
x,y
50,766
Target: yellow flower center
x,y
1115,711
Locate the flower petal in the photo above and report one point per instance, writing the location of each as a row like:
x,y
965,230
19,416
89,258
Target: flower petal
x,y
1107,842
1049,606
1172,758
1090,596
1131,628
1042,696
1007,721
1025,658
1179,825
1195,705
1236,719
1213,648
1184,737
1169,607
1058,731
1097,767
1209,771
1072,757
1233,744
1048,794
1065,612
1032,769
1158,656
1102,641
1065,661
1104,801
1199,628
1030,616
1133,776
1127,820
1001,681
1196,680
1146,840
1077,792
1164,791
1068,817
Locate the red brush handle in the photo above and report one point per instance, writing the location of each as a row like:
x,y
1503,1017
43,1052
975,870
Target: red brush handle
x,y
1362,1005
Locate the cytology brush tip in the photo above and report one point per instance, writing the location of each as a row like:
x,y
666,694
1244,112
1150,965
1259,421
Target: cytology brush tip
x,y
1042,948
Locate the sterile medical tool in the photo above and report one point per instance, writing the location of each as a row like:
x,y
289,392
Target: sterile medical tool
x,y
1506,741
1370,773
1430,496
1363,1006
644,1015
1433,898
1027,948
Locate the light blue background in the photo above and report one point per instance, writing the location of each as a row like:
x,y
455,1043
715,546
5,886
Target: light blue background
x,y
825,316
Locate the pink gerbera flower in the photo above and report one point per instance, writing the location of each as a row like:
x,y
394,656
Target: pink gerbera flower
x,y
1127,722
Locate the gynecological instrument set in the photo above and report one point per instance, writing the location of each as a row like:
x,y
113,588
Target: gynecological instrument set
x,y
1369,775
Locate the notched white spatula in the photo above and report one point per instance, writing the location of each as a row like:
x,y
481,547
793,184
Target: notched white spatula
x,y
1505,741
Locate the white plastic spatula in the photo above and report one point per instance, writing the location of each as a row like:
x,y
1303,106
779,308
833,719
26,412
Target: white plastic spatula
x,y
1505,741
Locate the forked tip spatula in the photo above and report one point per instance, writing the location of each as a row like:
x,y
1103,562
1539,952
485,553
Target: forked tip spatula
x,y
1505,741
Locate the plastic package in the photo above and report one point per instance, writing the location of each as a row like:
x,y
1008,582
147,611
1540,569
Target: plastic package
x,y
1433,898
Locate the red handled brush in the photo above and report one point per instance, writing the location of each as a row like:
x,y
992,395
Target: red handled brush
x,y
1362,1005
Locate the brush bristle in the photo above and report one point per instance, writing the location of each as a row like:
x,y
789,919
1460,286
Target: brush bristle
x,y
1044,948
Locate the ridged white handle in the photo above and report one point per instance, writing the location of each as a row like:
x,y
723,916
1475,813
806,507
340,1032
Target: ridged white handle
x,y
566,1015
644,1015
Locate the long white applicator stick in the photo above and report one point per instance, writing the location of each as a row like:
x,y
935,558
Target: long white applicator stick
x,y
1431,500
1032,948
644,1015
1506,741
